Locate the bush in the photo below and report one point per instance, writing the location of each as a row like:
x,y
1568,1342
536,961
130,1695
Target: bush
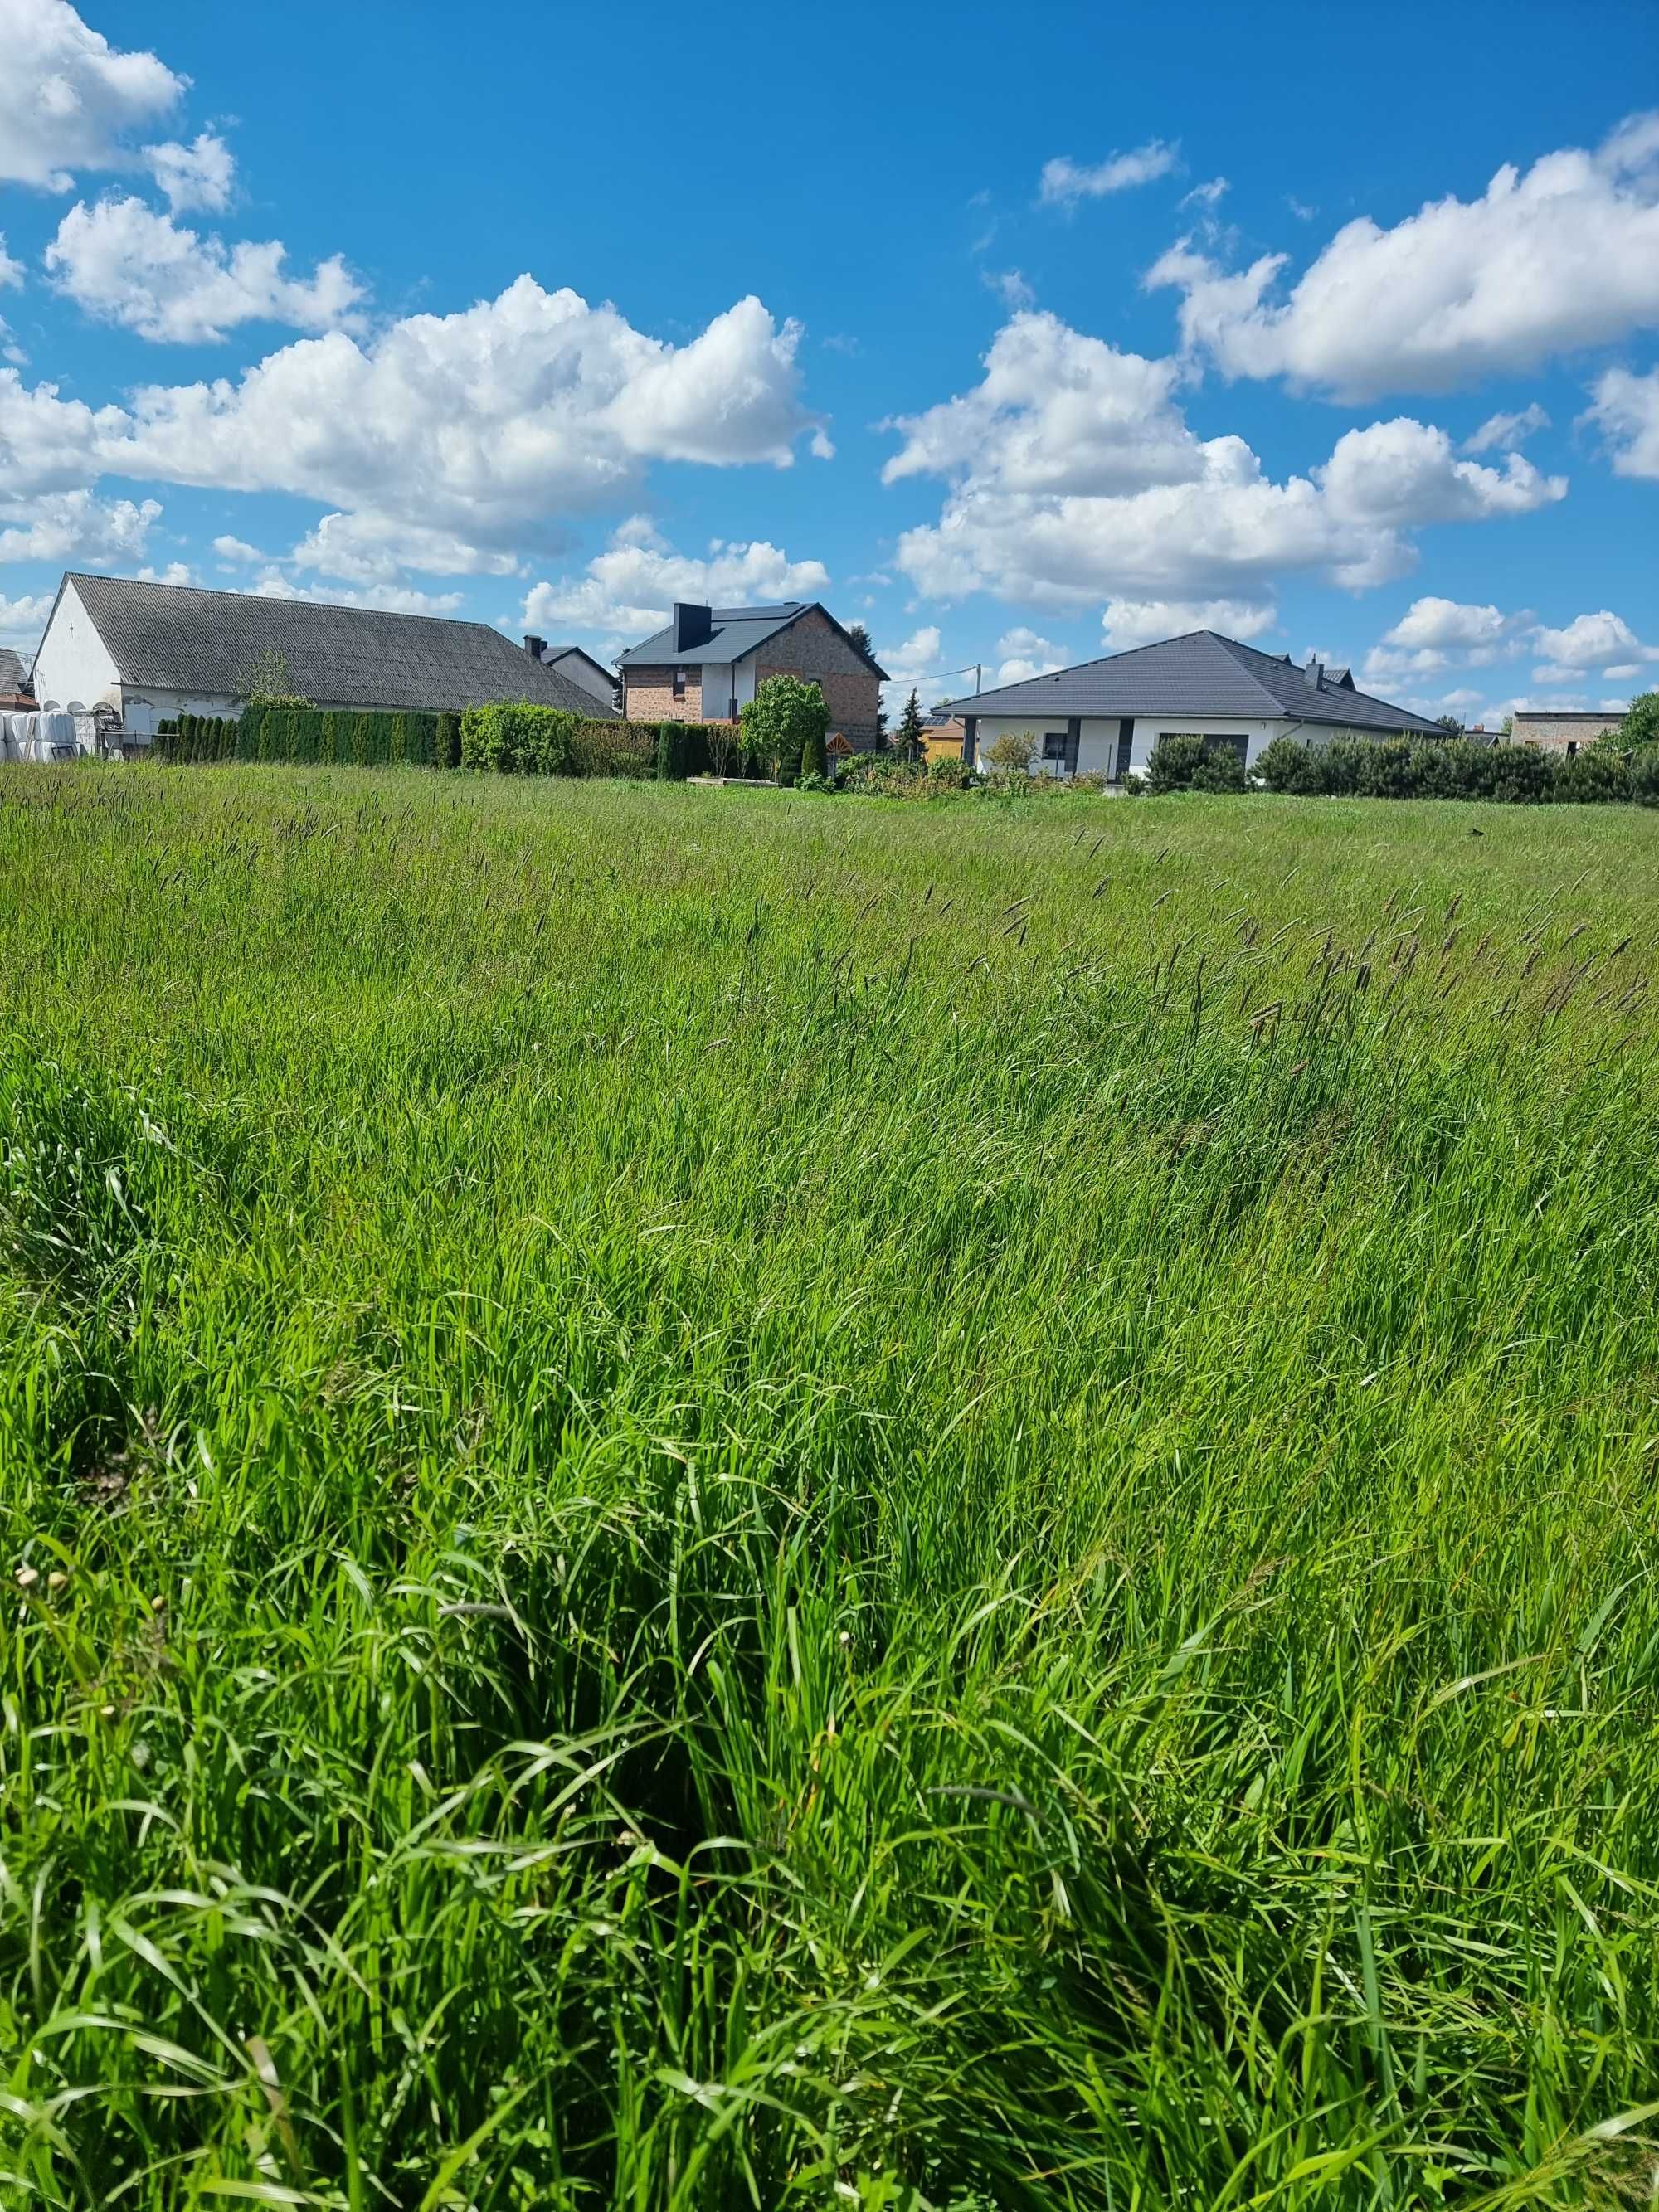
x,y
1013,752
524,739
1521,773
814,758
1592,779
1220,769
779,720
446,742
672,753
1288,765
1176,758
613,749
1644,776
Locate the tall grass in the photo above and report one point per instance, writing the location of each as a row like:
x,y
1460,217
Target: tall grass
x,y
719,1501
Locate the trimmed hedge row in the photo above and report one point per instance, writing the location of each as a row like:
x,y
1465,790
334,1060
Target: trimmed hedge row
x,y
509,737
312,733
1453,769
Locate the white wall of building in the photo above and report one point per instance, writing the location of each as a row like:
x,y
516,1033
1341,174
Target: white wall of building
x,y
74,663
1097,751
142,709
594,681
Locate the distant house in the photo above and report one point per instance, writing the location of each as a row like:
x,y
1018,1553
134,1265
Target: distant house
x,y
598,681
1552,732
15,692
153,652
942,737
708,663
1104,717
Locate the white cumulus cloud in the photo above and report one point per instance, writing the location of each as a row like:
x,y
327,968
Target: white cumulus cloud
x,y
1625,409
1505,432
628,590
74,525
1065,182
1073,477
1438,625
1023,654
1128,622
1591,641
125,264
200,175
71,100
22,621
1563,256
493,425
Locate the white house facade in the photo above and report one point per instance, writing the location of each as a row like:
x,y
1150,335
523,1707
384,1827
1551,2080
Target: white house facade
x,y
1105,717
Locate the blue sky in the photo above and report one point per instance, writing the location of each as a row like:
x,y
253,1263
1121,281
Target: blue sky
x,y
1020,340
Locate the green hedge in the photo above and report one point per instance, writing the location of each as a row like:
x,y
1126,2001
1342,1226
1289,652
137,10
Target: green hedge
x,y
1453,769
312,733
527,740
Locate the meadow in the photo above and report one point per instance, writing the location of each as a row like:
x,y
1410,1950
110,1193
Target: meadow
x,y
718,1498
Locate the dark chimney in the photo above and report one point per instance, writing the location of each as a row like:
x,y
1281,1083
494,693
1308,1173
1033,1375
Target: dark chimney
x,y
1312,673
693,626
535,646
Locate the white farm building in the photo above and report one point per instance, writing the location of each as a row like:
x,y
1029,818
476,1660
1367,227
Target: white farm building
x,y
153,651
1104,717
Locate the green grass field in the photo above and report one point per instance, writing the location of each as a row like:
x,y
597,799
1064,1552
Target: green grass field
x,y
716,1499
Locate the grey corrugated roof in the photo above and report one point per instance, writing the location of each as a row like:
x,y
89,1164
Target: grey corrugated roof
x,y
175,637
1199,674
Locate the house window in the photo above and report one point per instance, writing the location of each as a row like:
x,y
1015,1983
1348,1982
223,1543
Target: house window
x,y
679,683
1572,747
1240,747
1054,745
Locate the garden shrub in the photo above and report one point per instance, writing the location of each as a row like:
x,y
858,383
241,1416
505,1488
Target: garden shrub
x,y
1287,764
1644,776
671,753
778,721
1592,779
1220,769
1176,758
1013,752
815,760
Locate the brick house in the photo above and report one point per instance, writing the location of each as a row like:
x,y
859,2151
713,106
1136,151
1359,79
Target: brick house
x,y
709,662
1553,732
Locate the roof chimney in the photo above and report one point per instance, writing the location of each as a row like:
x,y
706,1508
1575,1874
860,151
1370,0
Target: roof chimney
x,y
693,626
1312,672
535,646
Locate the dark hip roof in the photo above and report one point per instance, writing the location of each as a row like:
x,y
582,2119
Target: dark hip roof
x,y
173,637
1202,674
734,632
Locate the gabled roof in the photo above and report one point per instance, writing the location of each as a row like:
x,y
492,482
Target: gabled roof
x,y
175,637
556,655
1200,674
14,678
735,633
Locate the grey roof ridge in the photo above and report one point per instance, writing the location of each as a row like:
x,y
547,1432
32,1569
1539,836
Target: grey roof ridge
x,y
1234,647
1336,695
222,592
